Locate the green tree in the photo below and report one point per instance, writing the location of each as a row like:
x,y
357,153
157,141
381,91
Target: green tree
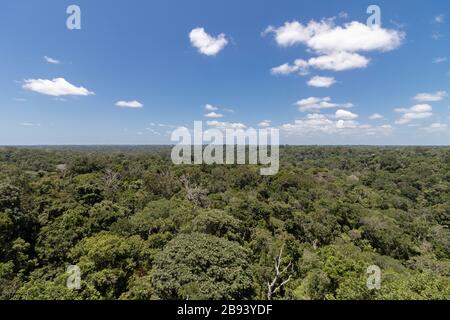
x,y
201,266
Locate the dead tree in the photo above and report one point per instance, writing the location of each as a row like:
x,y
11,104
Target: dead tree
x,y
194,193
272,286
111,181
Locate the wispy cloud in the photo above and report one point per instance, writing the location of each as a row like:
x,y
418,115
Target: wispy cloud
x,y
265,123
226,125
437,35
437,127
213,115
376,116
440,60
51,60
314,103
30,124
316,124
430,97
420,111
439,18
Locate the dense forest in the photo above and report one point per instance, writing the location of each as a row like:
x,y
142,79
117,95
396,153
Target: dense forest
x,y
139,227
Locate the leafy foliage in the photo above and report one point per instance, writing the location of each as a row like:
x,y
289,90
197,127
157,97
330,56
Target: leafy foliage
x,y
139,227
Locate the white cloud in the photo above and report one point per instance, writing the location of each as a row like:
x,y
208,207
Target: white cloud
x,y
153,131
356,36
376,116
283,69
437,35
314,103
339,61
345,115
323,124
210,107
439,19
440,60
325,36
321,82
437,127
213,115
343,15
346,124
207,44
292,33
51,60
265,123
336,47
129,104
420,111
300,66
226,125
56,87
30,124
430,97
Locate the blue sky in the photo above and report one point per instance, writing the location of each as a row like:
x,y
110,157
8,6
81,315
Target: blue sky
x,y
138,69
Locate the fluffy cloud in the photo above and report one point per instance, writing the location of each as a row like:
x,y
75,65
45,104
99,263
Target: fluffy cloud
x,y
213,115
314,103
321,82
129,104
420,111
356,36
325,36
345,115
339,61
51,60
376,116
430,97
336,47
226,125
207,44
56,87
293,33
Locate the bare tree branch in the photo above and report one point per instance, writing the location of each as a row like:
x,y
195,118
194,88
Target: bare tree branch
x,y
278,276
194,193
